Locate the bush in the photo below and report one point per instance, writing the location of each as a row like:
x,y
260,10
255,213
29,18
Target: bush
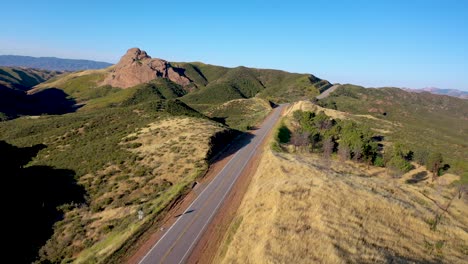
x,y
398,163
276,147
284,134
379,161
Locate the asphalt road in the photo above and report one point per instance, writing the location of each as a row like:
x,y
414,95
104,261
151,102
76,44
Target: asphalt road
x,y
177,243
328,92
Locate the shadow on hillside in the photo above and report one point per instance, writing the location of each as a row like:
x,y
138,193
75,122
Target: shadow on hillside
x,y
51,101
418,177
227,143
35,192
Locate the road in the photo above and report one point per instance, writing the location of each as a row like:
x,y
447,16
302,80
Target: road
x,y
327,92
178,241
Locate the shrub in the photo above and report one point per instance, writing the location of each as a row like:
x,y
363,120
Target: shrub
x,y
284,134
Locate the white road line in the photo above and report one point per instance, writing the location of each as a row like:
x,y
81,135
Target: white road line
x,y
222,199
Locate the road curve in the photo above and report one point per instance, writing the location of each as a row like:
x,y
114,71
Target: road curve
x,y
178,241
328,92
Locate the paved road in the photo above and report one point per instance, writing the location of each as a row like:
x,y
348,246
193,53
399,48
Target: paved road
x,y
176,244
328,91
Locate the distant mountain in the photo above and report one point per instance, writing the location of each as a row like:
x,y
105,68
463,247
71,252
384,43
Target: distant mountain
x,y
433,90
51,63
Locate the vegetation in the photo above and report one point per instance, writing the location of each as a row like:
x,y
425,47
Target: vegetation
x,y
423,122
23,79
313,210
104,152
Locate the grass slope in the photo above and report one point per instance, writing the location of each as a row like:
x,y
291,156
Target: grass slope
x,y
296,210
219,84
419,120
22,78
140,156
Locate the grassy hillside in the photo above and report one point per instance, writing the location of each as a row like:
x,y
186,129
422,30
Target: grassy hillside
x,y
23,78
305,206
422,121
297,211
14,100
219,84
241,114
124,159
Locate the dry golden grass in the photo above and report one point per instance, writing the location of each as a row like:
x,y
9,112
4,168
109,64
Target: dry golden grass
x,y
301,209
178,145
173,151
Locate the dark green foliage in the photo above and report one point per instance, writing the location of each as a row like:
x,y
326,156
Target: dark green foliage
x,y
155,90
354,140
284,134
421,121
177,107
379,161
216,84
397,159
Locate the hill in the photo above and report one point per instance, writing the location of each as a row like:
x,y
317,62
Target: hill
x,y
203,87
14,100
433,90
421,121
103,165
51,63
307,204
24,78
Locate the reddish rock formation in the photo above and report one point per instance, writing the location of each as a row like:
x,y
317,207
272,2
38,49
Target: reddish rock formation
x,y
136,67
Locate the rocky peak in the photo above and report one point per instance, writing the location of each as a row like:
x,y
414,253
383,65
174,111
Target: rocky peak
x,y
136,67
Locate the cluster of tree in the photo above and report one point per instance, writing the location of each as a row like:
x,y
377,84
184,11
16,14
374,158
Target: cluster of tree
x,y
318,132
349,140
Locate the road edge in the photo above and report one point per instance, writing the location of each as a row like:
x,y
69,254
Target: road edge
x,y
208,245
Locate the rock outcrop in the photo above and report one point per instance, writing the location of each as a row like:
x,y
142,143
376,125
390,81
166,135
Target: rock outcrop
x,y
136,67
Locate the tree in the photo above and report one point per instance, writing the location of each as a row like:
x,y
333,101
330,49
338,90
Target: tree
x,y
295,139
284,134
314,139
328,146
343,152
434,164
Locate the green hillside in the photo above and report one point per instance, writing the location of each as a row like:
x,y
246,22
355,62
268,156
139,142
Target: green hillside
x,y
219,84
23,78
421,121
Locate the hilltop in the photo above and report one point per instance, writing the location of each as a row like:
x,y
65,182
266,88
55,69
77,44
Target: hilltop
x,y
51,63
434,90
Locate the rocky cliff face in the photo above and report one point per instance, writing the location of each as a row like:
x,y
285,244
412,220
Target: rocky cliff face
x,y
136,67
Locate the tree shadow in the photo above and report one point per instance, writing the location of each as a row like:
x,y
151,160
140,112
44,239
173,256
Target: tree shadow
x,y
32,195
226,143
186,212
418,177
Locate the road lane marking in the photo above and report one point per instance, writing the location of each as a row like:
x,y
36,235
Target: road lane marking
x,y
224,196
270,126
199,211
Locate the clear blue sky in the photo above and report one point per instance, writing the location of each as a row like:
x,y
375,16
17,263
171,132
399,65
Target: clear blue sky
x,y
407,43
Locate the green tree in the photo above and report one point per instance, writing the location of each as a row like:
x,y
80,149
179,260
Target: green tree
x,y
284,134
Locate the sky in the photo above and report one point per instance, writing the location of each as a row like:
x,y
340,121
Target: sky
x,y
373,43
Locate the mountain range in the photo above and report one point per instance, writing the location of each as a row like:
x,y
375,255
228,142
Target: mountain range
x,y
434,90
51,63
